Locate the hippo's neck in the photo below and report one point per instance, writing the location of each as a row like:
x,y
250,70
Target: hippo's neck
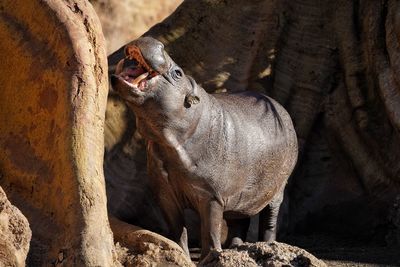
x,y
183,146
175,142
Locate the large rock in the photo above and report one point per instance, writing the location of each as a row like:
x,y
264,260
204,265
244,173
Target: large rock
x,y
15,234
262,254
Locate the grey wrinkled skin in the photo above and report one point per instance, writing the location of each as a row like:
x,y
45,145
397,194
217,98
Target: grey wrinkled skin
x,y
227,156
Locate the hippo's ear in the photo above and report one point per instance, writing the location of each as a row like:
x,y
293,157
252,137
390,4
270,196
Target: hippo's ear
x,y
191,100
192,97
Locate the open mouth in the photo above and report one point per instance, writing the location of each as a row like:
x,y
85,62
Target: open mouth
x,y
134,71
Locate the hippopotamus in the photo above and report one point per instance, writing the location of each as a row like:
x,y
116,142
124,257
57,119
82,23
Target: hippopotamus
x,y
226,156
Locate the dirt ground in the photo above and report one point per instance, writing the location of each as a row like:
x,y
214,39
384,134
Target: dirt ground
x,y
340,252
347,252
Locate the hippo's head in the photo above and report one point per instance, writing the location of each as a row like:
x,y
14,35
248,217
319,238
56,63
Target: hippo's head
x,y
148,76
156,89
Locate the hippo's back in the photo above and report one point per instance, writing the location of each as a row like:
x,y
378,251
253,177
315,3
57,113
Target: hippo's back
x,y
258,117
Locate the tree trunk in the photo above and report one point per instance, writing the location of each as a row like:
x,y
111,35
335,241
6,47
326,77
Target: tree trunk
x,y
52,105
335,66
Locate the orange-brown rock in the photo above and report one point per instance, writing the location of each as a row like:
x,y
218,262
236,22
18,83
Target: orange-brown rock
x,y
53,77
15,234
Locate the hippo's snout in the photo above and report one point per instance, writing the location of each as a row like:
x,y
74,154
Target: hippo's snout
x,y
150,53
145,61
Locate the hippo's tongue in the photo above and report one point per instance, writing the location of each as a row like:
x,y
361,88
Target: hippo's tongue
x,y
135,75
133,72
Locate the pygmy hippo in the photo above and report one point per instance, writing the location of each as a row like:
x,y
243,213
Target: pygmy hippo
x,y
227,156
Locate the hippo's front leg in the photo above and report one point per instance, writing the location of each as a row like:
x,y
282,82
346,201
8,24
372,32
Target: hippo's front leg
x,y
211,216
170,206
174,217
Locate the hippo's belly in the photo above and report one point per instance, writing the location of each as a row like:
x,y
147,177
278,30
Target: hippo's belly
x,y
244,180
257,191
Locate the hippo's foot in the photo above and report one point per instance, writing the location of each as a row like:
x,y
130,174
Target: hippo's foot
x,y
237,231
236,241
269,236
210,258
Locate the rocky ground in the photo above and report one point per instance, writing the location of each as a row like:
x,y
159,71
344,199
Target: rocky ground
x,y
333,250
139,247
262,254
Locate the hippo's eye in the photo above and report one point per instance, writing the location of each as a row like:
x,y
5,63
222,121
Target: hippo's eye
x,y
177,74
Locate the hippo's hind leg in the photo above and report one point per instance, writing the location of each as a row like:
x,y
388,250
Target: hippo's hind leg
x,y
268,219
237,231
211,216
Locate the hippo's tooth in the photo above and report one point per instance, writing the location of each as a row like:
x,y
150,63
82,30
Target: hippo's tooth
x,y
139,78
